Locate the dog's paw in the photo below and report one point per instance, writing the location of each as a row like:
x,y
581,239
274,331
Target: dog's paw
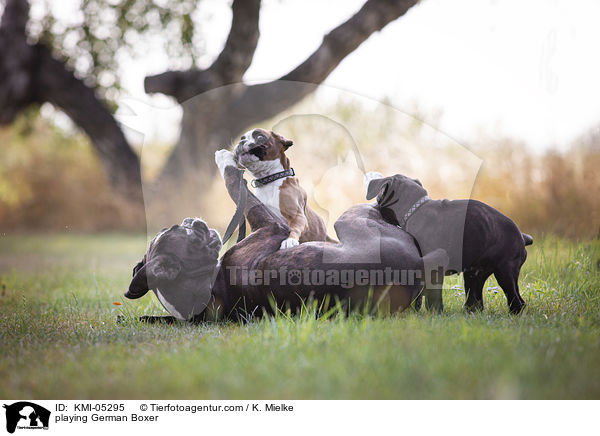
x,y
372,175
289,243
223,159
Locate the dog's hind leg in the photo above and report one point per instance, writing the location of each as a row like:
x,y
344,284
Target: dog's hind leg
x,y
433,299
508,275
434,264
419,302
474,281
432,292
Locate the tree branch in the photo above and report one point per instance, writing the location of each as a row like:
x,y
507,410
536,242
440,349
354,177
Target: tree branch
x,y
230,65
14,17
263,101
344,39
17,61
241,43
182,85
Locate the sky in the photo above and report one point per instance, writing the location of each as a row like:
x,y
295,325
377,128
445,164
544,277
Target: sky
x,y
526,69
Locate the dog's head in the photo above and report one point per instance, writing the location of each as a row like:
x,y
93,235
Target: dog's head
x,y
259,148
395,195
179,266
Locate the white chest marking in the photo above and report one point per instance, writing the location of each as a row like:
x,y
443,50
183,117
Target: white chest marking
x,y
268,194
170,308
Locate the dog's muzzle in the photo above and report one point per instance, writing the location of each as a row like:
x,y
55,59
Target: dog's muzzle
x,y
249,152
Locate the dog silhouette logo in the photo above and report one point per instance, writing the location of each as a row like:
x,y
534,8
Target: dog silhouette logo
x,y
26,415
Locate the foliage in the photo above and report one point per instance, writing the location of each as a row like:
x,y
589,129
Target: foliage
x,y
51,180
98,31
557,192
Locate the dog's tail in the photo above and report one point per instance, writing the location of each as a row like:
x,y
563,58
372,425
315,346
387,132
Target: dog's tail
x,y
437,258
527,239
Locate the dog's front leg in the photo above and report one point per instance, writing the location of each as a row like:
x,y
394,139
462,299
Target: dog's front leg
x,y
298,224
292,203
223,159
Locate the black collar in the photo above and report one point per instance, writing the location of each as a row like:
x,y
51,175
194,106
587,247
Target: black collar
x,y
271,178
420,202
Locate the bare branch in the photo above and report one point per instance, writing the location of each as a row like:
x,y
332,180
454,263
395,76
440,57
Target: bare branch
x,y
14,17
241,43
182,85
230,65
344,39
17,61
263,101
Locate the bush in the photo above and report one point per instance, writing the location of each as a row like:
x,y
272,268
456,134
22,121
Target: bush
x,y
50,180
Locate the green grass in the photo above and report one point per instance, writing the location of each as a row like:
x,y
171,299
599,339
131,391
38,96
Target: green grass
x,y
59,338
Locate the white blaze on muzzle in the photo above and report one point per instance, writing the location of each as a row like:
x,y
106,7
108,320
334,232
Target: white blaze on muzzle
x,y
184,305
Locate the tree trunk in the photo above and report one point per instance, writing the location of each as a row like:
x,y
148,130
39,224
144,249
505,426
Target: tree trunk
x,y
56,85
205,127
29,75
215,113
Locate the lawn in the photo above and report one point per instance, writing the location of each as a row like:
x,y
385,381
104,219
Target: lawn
x,y
59,337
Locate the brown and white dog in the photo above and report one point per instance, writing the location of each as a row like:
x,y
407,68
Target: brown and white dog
x,y
262,153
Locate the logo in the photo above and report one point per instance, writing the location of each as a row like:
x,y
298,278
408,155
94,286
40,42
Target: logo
x,y
26,415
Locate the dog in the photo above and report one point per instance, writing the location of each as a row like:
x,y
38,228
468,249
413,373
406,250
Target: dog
x,y
262,153
478,239
255,276
179,267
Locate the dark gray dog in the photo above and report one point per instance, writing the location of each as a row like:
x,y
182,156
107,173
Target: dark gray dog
x,y
478,239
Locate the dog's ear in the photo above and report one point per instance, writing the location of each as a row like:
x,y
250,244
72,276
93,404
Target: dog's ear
x,y
139,284
287,143
159,270
418,182
376,186
139,265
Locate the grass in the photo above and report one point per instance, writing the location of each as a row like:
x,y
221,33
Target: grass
x,y
59,338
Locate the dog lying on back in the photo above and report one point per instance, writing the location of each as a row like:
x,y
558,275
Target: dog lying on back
x,y
478,239
179,267
262,153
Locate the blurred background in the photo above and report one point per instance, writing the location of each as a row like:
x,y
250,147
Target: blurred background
x,y
485,99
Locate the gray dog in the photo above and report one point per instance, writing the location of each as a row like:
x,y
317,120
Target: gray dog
x,y
478,239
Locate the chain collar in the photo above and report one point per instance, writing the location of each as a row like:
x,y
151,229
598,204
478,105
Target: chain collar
x,y
412,210
271,178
